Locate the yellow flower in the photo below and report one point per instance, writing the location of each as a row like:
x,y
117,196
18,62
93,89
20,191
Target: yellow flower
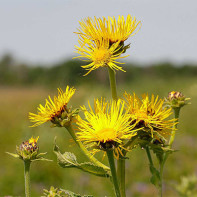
x,y
105,127
28,150
108,29
150,114
33,141
100,54
52,109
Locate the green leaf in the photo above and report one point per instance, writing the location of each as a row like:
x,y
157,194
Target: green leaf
x,y
13,155
155,179
72,194
68,160
160,150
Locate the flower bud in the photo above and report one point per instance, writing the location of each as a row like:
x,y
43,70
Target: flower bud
x,y
65,118
28,150
176,99
53,192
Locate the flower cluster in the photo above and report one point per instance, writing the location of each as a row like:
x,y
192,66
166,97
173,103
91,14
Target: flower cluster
x,y
101,40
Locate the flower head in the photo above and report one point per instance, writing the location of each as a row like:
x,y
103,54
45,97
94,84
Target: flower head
x,y
150,114
28,150
105,127
108,28
54,110
176,99
100,54
30,145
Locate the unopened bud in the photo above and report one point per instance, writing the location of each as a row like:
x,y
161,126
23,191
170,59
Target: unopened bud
x,y
176,99
28,150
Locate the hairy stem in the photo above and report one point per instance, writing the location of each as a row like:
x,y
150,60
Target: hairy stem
x,y
120,162
121,175
110,156
112,79
176,116
27,178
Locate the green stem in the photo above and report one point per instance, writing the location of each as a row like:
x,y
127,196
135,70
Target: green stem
x,y
176,116
120,162
85,151
149,156
121,175
161,179
110,156
112,79
27,178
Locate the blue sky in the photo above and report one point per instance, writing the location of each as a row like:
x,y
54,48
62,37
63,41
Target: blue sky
x,y
42,30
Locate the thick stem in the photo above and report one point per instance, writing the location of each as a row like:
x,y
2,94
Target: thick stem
x,y
84,150
27,178
110,156
149,156
112,79
120,162
121,175
161,179
176,116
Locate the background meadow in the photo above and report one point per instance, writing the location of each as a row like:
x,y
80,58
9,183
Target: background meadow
x,y
31,85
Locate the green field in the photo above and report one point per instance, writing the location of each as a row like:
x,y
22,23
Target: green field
x,y
16,102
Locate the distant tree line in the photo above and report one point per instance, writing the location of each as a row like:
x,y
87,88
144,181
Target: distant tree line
x,y
70,72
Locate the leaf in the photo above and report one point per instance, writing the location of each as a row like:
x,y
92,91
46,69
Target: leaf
x,y
160,150
155,179
14,155
68,160
93,169
72,194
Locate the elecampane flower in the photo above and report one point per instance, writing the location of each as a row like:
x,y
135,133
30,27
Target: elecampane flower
x,y
52,108
100,54
108,28
105,127
150,114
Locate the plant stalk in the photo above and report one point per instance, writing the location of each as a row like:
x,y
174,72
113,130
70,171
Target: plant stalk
x,y
27,178
121,175
176,116
110,156
112,79
120,162
161,178
84,150
149,156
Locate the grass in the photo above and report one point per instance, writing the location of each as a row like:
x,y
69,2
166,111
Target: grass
x,y
14,128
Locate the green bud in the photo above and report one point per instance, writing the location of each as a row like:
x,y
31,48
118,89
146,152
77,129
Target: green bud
x,y
176,99
28,150
64,118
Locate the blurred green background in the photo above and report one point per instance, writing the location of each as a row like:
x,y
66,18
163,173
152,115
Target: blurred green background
x,y
23,87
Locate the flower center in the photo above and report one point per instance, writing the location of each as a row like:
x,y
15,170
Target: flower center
x,y
101,56
106,134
